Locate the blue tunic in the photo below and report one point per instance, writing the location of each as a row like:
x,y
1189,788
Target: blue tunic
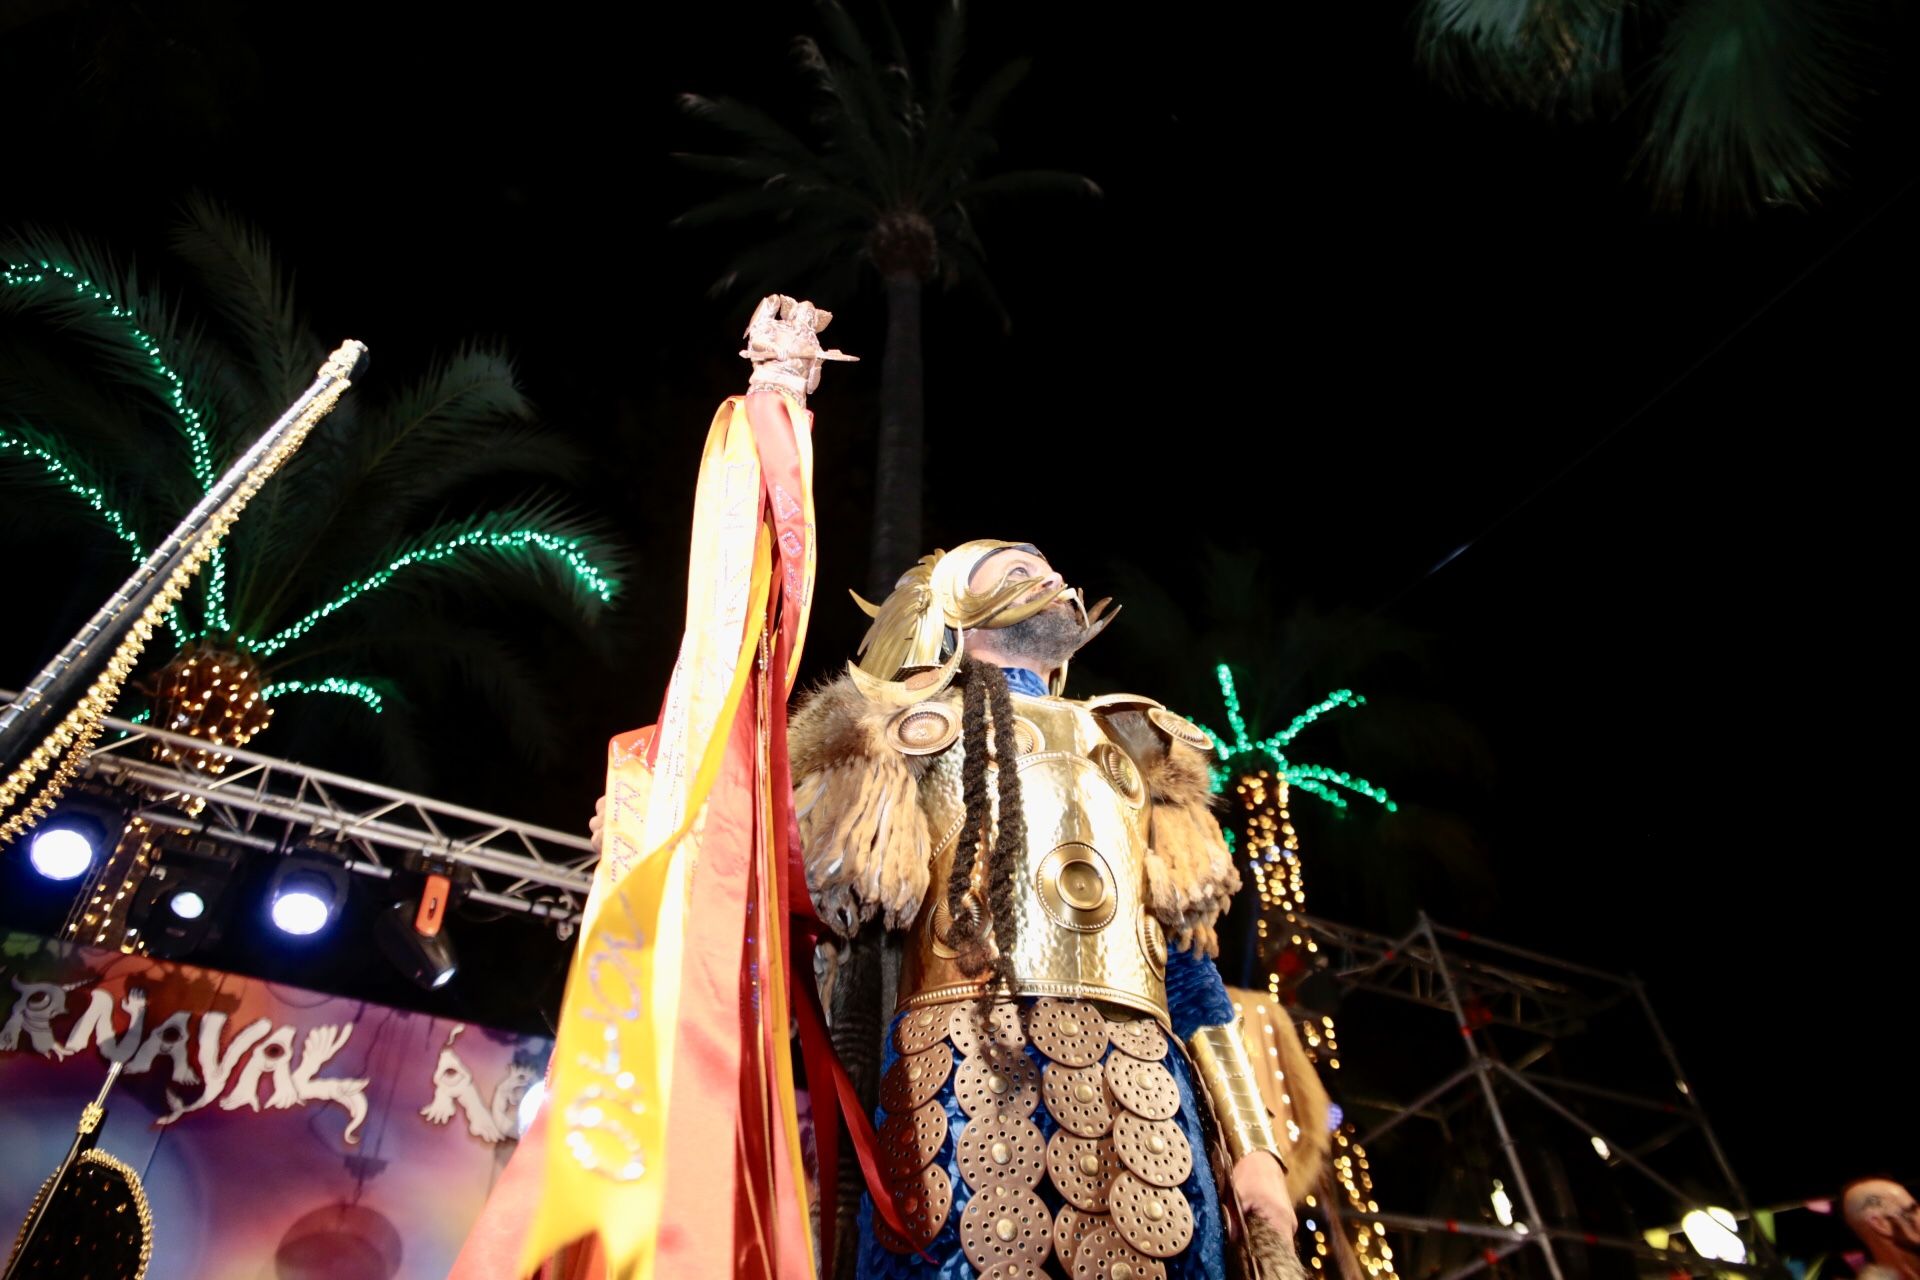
x,y
1196,998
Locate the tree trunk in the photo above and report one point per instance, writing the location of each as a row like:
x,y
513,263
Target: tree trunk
x,y
899,463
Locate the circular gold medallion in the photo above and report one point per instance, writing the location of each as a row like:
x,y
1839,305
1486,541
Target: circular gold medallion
x,y
1001,1150
1106,1255
912,1080
997,1083
1078,1099
888,1240
1069,1031
1027,737
1153,943
1144,1088
1121,771
1082,1169
1157,1221
909,1140
1076,888
1154,1151
1013,1271
923,1202
1006,1033
1181,729
1006,1224
1140,1038
920,1029
924,728
1070,1227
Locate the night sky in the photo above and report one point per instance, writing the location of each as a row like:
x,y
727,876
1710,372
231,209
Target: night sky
x,y
1323,313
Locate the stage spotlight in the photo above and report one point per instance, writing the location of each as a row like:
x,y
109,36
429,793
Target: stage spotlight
x,y
176,909
65,849
301,905
1713,1233
412,936
305,894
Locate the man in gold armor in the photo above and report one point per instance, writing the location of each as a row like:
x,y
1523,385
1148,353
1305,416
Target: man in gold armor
x,y
1064,1090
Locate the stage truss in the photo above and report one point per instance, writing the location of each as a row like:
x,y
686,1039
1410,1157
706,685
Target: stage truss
x,y
268,804
1475,985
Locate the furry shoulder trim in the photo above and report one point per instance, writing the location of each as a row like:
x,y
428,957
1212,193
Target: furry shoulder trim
x,y
1190,873
857,799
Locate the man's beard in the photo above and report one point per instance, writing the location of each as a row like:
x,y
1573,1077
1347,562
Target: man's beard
x,y
1049,637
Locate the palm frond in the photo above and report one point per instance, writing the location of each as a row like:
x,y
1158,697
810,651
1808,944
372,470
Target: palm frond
x,y
750,167
773,200
967,139
1029,182
827,256
963,262
68,488
248,288
543,540
853,112
135,337
366,476
1749,97
891,150
949,42
1545,55
763,135
47,383
436,661
36,464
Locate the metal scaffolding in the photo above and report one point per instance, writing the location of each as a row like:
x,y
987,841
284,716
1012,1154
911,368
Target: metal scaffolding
x,y
257,800
1510,1009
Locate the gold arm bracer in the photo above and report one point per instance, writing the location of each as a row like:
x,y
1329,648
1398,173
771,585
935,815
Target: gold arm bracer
x,y
1220,1059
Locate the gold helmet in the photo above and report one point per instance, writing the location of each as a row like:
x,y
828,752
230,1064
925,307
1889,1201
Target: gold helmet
x,y
931,607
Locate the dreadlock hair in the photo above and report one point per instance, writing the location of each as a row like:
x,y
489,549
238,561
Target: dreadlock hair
x,y
965,913
983,932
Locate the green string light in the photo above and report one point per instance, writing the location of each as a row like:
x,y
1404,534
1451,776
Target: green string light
x,y
139,717
1314,779
89,494
332,684
192,421
565,549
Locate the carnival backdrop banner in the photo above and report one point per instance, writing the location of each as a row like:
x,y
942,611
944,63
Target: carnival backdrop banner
x,y
282,1134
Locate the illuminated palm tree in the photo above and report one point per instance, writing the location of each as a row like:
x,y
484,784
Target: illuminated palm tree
x,y
889,188
364,572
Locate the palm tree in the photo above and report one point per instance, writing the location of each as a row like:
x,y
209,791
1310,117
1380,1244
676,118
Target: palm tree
x,y
892,183
369,572
1743,101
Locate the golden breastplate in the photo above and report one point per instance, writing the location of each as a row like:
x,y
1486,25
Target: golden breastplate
x,y
1083,931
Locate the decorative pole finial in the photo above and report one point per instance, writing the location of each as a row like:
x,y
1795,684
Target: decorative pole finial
x,y
783,341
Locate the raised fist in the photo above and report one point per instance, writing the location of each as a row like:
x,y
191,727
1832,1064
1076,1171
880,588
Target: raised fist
x,y
783,341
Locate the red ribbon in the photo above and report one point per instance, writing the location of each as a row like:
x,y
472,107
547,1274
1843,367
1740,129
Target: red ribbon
x,y
780,467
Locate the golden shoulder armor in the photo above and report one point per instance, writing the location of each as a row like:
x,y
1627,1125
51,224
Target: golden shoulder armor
x,y
1180,729
1118,702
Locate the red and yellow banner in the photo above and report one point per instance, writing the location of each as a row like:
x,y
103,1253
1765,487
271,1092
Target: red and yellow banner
x,y
670,1131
